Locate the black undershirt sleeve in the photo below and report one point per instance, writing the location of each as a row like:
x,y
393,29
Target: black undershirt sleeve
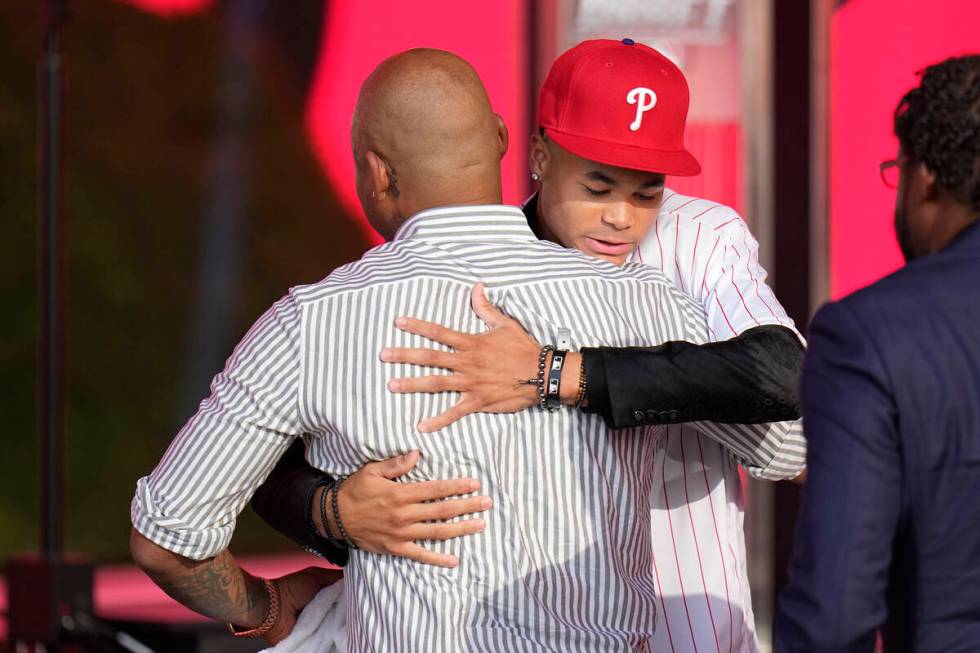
x,y
285,499
749,379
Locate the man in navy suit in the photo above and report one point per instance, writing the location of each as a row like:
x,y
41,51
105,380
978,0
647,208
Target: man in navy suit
x,y
889,532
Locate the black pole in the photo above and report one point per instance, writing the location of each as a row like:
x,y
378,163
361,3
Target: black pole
x,y
51,283
48,594
792,119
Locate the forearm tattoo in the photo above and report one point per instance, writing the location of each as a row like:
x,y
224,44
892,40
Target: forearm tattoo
x,y
217,588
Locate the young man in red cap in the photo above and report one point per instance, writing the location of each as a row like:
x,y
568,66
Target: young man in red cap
x,y
612,118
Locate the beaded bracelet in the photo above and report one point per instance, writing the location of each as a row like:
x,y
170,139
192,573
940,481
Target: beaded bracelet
x,y
328,496
310,523
580,397
542,363
539,382
323,511
336,514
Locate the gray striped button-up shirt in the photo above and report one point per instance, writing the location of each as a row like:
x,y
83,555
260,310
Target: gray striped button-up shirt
x,y
564,564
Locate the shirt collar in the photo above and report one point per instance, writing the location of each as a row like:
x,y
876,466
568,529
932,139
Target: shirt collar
x,y
530,209
968,238
467,223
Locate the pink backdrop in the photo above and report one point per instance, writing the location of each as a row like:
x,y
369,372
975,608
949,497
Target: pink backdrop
x,y
717,147
876,48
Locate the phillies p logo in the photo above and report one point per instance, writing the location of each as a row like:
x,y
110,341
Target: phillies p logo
x,y
644,99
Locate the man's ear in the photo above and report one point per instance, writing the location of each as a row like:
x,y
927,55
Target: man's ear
x,y
378,172
925,179
503,138
539,156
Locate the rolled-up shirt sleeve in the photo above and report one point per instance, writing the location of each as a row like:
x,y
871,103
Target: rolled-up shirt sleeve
x,y
191,500
774,451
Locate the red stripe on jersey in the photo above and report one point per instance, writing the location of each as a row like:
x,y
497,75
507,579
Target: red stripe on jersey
x,y
723,313
748,269
730,470
721,554
659,245
724,223
677,263
735,286
707,263
694,254
677,559
764,302
663,606
693,199
738,576
713,206
697,545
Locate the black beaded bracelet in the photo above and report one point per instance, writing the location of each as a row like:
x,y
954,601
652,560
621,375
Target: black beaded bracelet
x,y
582,386
309,510
336,514
542,362
323,511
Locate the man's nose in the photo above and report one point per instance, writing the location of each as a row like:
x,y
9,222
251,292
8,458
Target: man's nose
x,y
619,216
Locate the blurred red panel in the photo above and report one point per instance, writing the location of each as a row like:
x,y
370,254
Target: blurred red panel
x,y
168,8
876,48
359,35
716,147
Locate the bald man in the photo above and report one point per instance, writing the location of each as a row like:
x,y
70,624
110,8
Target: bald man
x,y
564,562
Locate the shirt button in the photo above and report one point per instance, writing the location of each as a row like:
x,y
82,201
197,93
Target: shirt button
x,y
638,415
652,417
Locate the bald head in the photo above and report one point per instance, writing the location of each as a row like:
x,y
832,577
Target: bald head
x,y
425,135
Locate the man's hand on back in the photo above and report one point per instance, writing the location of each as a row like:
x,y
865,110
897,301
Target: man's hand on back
x,y
487,368
383,516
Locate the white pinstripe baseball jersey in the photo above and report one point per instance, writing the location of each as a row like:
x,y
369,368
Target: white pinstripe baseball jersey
x,y
564,562
697,518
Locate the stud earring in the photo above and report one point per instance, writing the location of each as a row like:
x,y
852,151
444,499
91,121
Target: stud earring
x,y
535,176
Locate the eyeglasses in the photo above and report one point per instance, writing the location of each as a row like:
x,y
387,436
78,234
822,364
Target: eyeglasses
x,y
889,171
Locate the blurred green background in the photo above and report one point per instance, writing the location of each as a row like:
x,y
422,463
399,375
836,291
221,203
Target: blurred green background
x,y
143,101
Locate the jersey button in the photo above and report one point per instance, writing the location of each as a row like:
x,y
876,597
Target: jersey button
x,y
638,415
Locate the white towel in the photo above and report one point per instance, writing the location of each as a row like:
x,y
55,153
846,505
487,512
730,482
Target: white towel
x,y
321,627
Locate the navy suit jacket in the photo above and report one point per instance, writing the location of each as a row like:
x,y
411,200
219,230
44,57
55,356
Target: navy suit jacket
x,y
889,531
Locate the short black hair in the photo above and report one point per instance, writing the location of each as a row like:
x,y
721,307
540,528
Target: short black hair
x,y
938,124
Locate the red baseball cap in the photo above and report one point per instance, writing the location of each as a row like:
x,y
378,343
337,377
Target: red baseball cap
x,y
620,103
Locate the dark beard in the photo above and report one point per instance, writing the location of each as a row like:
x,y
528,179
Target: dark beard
x,y
904,235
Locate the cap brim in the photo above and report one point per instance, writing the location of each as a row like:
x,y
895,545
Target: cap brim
x,y
680,163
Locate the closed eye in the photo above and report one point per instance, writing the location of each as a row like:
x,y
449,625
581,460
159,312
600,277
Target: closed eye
x,y
649,197
595,193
